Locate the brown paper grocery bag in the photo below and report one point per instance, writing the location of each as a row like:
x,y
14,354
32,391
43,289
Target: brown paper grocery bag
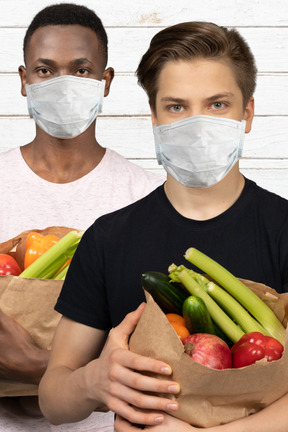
x,y
211,397
31,303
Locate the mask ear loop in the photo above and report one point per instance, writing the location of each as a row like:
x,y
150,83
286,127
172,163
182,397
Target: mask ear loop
x,y
101,98
29,103
157,139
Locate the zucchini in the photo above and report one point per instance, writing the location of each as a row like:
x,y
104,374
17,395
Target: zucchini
x,y
167,294
196,315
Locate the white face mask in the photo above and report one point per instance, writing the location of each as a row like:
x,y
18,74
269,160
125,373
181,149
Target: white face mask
x,y
199,151
65,107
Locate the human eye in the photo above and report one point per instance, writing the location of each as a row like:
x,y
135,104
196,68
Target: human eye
x,y
218,106
175,108
82,72
43,72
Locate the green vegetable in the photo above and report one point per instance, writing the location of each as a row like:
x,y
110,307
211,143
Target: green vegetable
x,y
196,315
47,265
234,309
60,275
263,314
232,330
167,294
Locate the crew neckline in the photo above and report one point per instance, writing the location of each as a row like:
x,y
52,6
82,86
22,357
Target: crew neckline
x,y
228,214
101,166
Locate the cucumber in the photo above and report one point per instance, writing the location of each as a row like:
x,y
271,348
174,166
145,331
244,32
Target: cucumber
x,y
196,315
167,294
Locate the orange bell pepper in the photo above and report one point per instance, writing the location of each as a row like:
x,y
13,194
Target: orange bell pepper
x,y
36,245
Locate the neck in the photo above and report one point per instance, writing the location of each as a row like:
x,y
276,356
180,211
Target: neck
x,y
63,161
205,203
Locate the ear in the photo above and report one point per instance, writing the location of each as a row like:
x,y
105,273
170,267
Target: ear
x,y
108,76
23,78
249,114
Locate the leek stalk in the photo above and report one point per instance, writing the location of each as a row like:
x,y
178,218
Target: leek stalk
x,y
263,314
232,330
234,309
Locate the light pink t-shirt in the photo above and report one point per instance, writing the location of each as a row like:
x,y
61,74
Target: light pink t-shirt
x,y
29,202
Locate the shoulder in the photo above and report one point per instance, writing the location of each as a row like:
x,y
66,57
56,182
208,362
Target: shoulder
x,y
11,165
264,196
271,206
9,156
132,215
131,169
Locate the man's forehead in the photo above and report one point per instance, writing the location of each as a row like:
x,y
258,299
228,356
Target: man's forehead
x,y
48,40
67,34
215,73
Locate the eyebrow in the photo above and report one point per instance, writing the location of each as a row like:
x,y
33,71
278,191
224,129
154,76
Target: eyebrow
x,y
172,99
209,99
220,96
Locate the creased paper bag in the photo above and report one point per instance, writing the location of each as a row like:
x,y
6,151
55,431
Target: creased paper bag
x,y
211,397
31,303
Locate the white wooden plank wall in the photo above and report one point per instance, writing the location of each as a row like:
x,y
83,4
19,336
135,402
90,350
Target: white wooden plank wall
x,y
125,123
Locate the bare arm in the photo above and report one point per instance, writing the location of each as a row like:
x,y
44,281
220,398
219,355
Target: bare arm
x,y
75,383
272,418
21,360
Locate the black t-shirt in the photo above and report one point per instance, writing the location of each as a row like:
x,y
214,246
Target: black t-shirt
x,y
103,283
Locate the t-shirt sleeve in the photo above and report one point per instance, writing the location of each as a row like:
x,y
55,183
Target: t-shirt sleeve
x,y
83,296
283,248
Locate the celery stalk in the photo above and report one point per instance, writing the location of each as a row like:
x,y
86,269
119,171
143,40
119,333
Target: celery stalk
x,y
52,268
233,331
240,291
62,273
234,309
54,258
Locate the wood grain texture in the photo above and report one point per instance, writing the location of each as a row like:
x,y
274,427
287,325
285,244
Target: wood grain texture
x,y
125,124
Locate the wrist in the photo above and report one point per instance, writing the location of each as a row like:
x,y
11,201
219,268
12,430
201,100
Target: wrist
x,y
91,374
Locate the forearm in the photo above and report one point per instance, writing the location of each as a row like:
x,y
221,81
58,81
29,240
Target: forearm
x,y
27,369
64,395
272,418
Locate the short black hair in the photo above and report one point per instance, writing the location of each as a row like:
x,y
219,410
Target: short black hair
x,y
68,14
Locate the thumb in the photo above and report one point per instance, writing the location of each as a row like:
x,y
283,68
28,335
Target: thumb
x,y
129,323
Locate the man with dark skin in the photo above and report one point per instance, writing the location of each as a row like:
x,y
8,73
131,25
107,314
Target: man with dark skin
x,y
49,157
73,47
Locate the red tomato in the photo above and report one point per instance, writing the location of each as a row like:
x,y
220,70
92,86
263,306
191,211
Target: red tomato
x,y
8,265
208,350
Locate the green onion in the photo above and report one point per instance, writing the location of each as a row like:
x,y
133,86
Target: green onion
x,y
234,309
232,330
54,258
240,291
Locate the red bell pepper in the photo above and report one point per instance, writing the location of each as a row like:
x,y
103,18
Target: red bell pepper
x,y
254,346
8,265
36,245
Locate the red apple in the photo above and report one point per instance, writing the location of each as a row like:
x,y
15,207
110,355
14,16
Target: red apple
x,y
208,350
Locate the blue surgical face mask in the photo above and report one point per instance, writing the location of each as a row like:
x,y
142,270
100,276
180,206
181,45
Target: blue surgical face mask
x,y
65,106
199,151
